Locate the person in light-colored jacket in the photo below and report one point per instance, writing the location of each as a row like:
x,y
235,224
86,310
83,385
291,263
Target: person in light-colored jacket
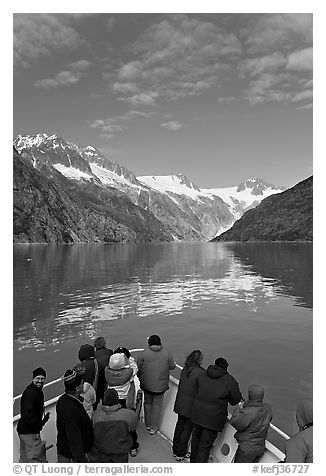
x,y
154,366
251,420
299,448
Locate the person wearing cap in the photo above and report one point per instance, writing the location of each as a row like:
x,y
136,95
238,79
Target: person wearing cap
x,y
102,355
299,448
118,375
215,389
32,449
251,420
74,427
112,431
154,366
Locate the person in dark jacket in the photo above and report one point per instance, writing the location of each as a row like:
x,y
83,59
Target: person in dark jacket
x,y
154,365
32,449
252,423
74,427
184,401
112,431
299,448
102,355
216,388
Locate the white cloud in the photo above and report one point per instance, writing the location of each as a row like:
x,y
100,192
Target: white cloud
x,y
172,125
38,34
307,94
300,60
177,57
110,126
68,77
277,32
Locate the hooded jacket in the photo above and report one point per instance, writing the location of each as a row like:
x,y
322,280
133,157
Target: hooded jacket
x,y
187,390
216,388
112,426
89,364
252,423
299,448
119,379
154,365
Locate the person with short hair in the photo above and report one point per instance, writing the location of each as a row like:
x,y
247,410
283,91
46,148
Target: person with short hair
x,y
74,427
112,430
299,448
32,449
154,366
216,388
251,420
184,401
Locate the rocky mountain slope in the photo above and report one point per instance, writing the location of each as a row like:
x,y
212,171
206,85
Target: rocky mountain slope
x,y
187,212
49,208
286,216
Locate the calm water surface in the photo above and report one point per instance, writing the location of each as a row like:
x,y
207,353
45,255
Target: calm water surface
x,y
250,303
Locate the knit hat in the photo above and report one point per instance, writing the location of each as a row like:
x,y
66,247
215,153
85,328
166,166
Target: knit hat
x,y
38,372
86,351
154,340
220,362
256,392
99,343
110,397
117,361
72,379
122,350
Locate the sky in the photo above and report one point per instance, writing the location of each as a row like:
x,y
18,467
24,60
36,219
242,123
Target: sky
x,y
219,97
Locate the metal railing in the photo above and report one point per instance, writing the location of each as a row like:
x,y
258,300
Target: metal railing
x,y
275,428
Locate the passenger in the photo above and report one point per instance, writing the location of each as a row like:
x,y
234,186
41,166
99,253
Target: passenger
x,y
299,448
130,399
90,364
74,427
154,365
112,427
118,375
216,388
102,355
252,423
32,449
88,395
184,401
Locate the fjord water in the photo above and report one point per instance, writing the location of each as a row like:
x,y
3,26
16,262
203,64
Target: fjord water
x,y
248,302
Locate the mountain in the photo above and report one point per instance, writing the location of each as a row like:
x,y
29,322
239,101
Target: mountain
x,y
286,216
186,211
53,209
245,196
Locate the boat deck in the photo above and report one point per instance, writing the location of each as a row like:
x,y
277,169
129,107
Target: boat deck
x,y
152,448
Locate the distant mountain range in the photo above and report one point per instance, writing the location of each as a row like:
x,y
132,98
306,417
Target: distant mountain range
x,y
78,195
286,216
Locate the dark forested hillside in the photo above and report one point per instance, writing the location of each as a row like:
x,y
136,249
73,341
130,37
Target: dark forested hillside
x,y
286,216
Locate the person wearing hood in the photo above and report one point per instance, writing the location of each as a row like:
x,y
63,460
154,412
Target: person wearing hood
x,y
32,449
112,431
299,448
252,423
90,364
154,365
102,354
215,389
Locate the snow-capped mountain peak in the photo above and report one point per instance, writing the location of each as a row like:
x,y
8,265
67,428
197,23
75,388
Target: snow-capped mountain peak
x,y
177,184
